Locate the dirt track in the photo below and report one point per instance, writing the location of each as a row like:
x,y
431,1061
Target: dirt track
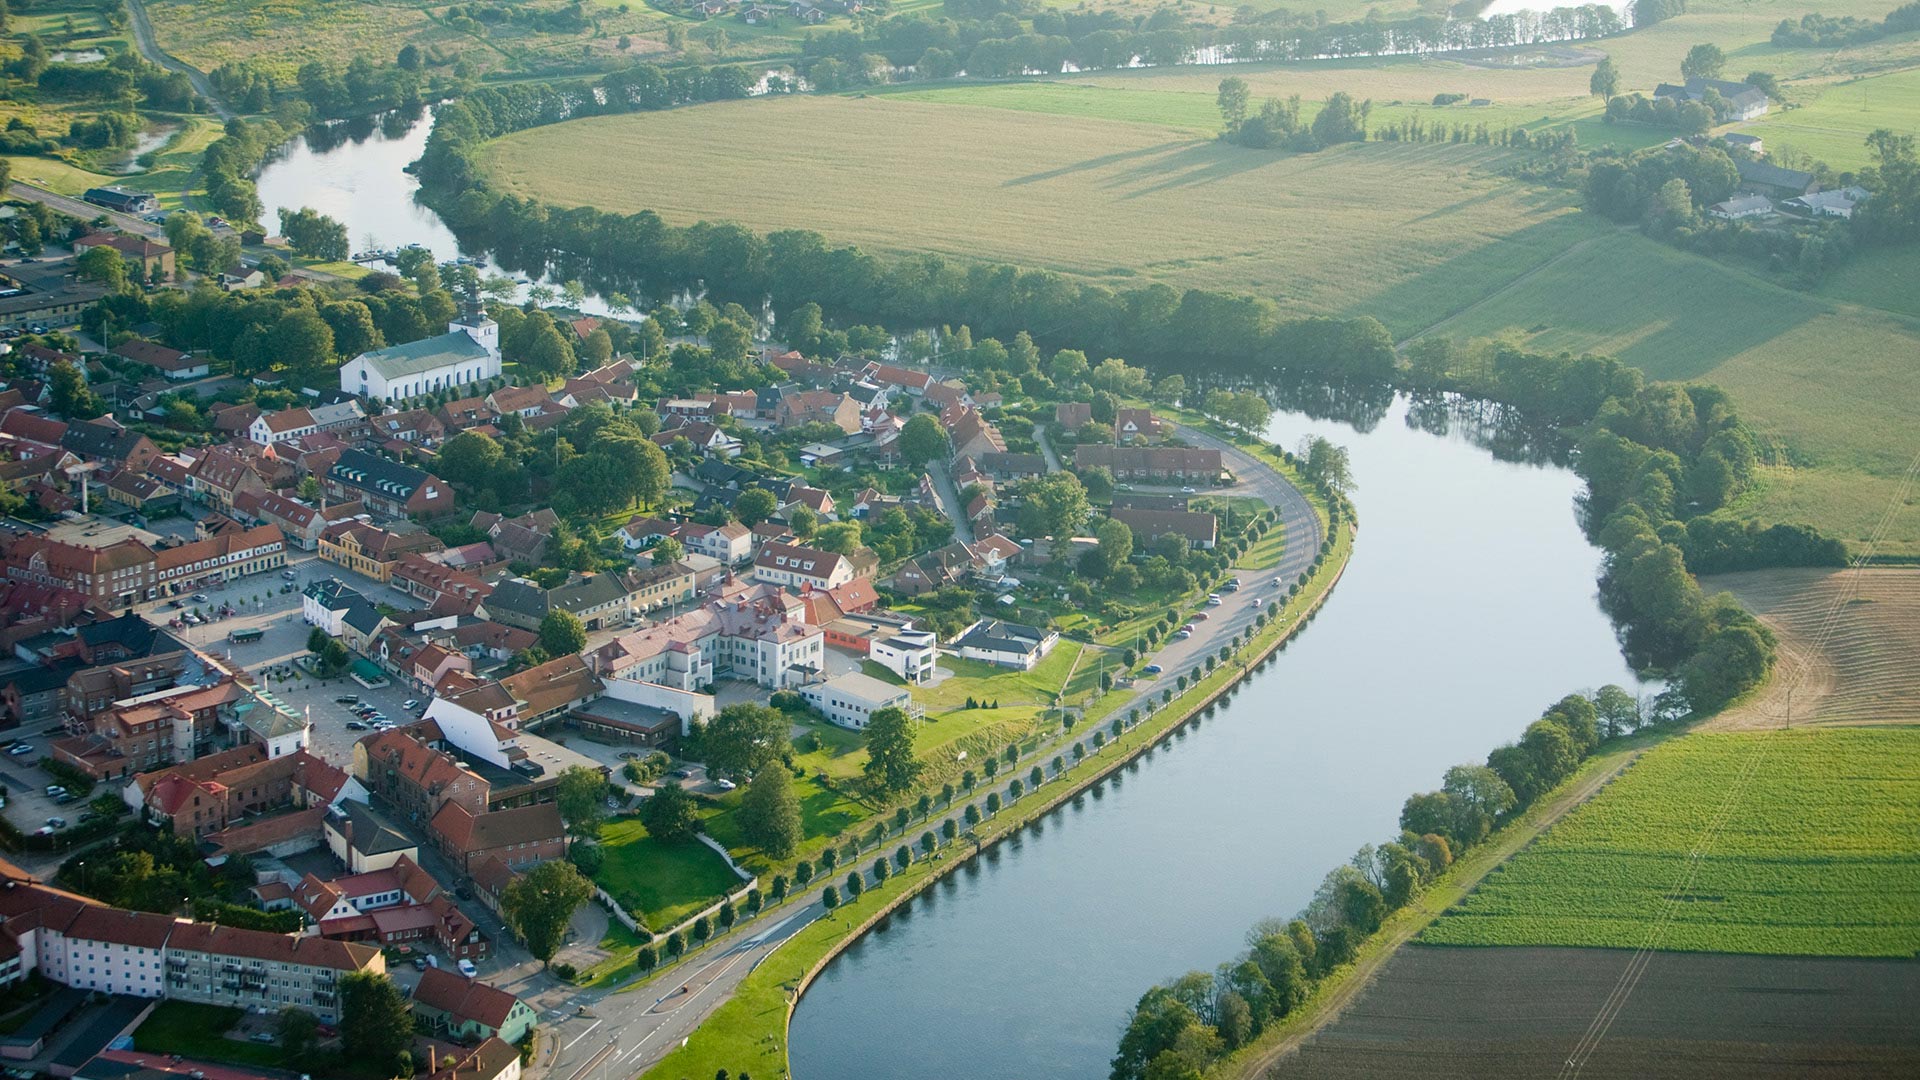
x,y
1861,671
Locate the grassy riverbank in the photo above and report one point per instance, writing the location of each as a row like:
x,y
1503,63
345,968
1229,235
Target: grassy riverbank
x,y
747,1034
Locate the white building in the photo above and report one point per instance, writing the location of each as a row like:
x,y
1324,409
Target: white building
x,y
1006,644
273,427
468,353
789,564
760,638
850,700
909,654
731,543
325,603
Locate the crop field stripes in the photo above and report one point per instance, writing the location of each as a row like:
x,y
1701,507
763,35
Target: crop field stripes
x,y
1636,968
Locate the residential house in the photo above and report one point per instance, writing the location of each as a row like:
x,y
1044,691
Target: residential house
x,y
367,549
1200,529
172,363
818,407
467,1009
522,836
791,565
106,442
388,488
1006,644
1152,463
147,259
730,544
910,654
1135,426
270,428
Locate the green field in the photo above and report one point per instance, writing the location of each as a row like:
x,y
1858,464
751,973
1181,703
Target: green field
x,y
1829,382
1833,124
1807,846
824,813
664,883
1413,232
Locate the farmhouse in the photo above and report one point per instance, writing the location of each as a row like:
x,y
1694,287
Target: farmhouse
x,y
1762,178
1741,206
468,353
1742,100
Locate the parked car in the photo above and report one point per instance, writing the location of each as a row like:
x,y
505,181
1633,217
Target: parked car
x,y
21,748
199,598
410,703
467,968
176,603
725,785
56,823
1201,616
1182,634
1151,669
680,774
348,699
419,963
628,755
289,575
54,790
1187,491
355,725
261,1036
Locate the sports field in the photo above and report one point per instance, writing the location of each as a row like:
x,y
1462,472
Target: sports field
x,y
1793,842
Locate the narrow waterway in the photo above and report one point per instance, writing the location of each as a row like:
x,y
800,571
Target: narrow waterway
x,y
1468,607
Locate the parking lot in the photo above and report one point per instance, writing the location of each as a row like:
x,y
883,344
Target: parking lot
x,y
28,805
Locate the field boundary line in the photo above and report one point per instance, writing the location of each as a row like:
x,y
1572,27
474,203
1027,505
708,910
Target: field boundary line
x,y
1329,1002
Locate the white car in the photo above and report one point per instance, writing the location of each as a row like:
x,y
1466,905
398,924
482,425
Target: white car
x,y
467,968
22,748
725,785
410,703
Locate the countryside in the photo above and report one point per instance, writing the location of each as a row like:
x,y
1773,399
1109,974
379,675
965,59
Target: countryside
x,y
1121,539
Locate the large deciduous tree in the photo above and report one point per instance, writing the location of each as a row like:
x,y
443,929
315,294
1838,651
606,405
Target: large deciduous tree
x,y
540,903
891,765
770,813
374,1023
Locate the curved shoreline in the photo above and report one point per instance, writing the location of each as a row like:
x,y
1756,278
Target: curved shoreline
x,y
1181,716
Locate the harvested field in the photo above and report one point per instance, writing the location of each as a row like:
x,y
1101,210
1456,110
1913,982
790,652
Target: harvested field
x,y
1488,1014
1863,673
1801,842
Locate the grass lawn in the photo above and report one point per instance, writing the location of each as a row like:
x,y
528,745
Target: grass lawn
x,y
173,177
824,814
1267,551
198,1031
664,883
1813,855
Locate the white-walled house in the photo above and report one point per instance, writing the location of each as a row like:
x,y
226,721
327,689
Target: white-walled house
x,y
909,654
467,354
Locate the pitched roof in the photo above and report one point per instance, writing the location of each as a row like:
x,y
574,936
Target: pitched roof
x,y
427,354
464,998
155,355
359,469
497,829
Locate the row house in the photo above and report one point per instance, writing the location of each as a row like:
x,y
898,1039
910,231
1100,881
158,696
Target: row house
x,y
368,549
300,523
522,837
1152,463
221,475
441,588
113,577
220,559
398,906
81,943
109,443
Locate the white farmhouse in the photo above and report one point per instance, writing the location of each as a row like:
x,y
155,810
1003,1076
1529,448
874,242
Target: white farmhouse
x,y
468,353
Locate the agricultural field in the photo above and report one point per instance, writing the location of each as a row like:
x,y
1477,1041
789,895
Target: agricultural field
x,y
1793,842
1833,123
1495,1014
1413,232
1825,380
1847,643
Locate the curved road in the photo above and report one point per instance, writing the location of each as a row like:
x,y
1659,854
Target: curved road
x,y
143,38
604,1035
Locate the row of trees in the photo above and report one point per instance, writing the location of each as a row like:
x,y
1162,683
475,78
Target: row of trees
x,y
1278,123
639,252
1816,31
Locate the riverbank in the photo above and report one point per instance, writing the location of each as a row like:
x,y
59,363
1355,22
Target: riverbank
x,y
748,1034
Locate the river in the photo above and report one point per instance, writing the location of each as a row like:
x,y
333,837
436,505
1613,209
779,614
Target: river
x,y
1468,607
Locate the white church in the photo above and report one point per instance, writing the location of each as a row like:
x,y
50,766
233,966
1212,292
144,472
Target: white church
x,y
469,352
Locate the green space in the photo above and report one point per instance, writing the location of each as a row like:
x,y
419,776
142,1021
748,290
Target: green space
x,y
825,812
1266,552
663,883
199,1031
1828,383
1832,124
1786,842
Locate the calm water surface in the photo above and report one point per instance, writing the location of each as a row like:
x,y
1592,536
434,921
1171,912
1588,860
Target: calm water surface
x,y
1468,607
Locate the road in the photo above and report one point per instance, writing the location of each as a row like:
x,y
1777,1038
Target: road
x,y
642,1027
85,211
143,38
942,474
1046,448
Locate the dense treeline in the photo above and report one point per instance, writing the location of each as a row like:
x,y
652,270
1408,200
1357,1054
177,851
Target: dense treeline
x,y
1825,32
637,252
1648,453
1342,119
1182,1026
